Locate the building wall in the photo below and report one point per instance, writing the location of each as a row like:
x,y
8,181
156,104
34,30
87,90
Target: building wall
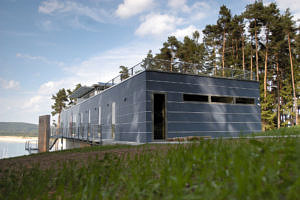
x,y
129,97
133,100
204,119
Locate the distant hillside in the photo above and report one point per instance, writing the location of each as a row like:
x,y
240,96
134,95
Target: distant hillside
x,y
18,129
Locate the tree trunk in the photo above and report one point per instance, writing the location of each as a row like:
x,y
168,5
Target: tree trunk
x,y
223,53
243,54
236,50
251,63
278,93
215,63
256,56
58,124
57,130
266,67
293,83
171,63
233,50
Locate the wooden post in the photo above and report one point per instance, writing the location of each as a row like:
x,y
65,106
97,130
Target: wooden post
x,y
44,133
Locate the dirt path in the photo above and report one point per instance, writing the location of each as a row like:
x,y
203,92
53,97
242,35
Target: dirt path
x,y
49,160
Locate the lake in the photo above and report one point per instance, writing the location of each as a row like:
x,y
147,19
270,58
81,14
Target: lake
x,y
12,147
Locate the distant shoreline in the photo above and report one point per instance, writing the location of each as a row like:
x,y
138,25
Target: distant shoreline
x,y
16,138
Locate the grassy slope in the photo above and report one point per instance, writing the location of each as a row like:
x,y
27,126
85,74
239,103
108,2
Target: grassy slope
x,y
213,169
295,130
18,129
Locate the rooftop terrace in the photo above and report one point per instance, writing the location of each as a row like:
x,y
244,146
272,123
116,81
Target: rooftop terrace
x,y
183,68
167,66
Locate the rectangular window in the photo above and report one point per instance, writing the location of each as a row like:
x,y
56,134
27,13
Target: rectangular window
x,y
220,99
89,116
194,97
244,100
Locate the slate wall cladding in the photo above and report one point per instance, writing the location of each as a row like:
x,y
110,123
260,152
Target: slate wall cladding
x,y
205,119
133,99
129,97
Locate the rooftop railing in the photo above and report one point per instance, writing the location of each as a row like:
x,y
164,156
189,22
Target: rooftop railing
x,y
183,68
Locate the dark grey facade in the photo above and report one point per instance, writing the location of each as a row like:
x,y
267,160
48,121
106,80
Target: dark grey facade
x,y
151,103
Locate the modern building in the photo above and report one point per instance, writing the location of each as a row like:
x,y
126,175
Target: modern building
x,y
154,103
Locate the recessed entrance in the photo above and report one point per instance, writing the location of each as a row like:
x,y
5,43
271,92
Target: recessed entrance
x,y
159,116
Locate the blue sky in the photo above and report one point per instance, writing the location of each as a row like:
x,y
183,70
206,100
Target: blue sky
x,y
51,44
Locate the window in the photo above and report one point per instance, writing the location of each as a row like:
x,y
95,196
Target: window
x,y
194,97
244,100
220,99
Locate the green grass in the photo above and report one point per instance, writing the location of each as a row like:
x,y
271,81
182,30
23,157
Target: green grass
x,y
213,169
294,130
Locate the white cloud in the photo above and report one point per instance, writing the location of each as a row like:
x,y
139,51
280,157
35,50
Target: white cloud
x,y
47,7
170,21
28,106
294,6
198,16
76,23
105,66
188,31
9,84
195,9
132,7
26,56
178,4
47,25
33,103
52,7
158,24
39,58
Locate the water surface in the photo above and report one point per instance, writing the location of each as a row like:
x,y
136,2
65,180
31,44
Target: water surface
x,y
12,149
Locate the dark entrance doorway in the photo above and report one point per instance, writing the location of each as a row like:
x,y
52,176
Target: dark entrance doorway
x,y
159,115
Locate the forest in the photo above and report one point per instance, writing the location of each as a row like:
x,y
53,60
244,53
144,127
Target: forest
x,y
261,40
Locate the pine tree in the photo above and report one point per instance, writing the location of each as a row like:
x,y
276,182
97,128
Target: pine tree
x,y
223,23
60,100
149,62
168,52
289,30
123,73
72,101
254,15
211,44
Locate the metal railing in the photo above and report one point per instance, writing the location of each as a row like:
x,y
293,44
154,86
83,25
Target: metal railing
x,y
31,145
183,68
83,131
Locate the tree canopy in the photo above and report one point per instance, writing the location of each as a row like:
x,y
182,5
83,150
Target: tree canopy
x,y
261,40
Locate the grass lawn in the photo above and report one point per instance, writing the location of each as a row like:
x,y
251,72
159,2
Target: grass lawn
x,y
210,169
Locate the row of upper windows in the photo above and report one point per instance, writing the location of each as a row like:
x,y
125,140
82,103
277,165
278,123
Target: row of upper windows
x,y
218,99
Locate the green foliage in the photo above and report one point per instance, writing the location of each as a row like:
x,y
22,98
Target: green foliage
x,y
267,112
256,40
72,101
212,169
60,100
18,129
285,131
124,72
